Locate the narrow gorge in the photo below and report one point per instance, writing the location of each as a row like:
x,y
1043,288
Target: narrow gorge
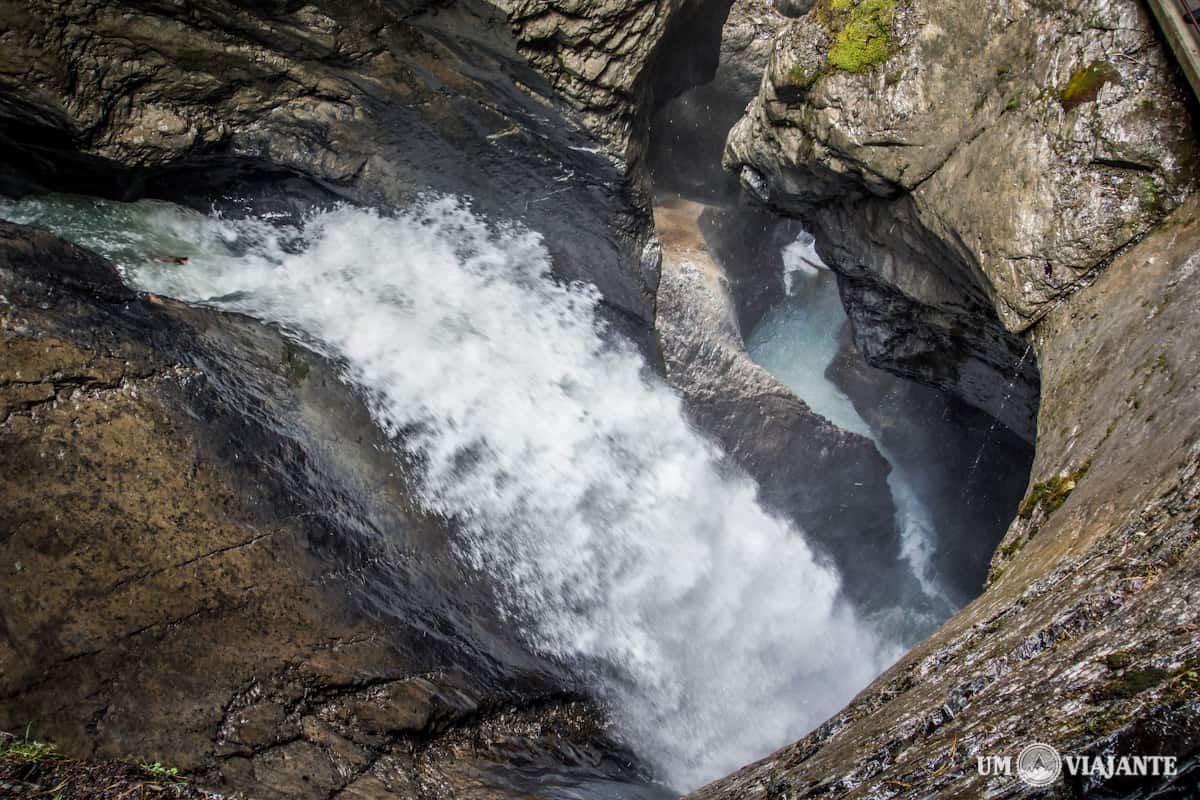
x,y
599,400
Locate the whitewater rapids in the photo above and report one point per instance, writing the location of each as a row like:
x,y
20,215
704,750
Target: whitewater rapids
x,y
618,539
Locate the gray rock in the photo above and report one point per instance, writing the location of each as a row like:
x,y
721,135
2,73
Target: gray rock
x,y
793,8
687,133
959,175
801,461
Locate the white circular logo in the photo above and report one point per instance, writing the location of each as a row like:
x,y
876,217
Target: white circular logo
x,y
1039,765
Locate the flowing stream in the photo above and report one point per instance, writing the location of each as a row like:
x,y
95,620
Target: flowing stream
x,y
618,541
796,341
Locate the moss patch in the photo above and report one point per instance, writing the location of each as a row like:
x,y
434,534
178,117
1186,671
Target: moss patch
x,y
1085,84
1051,494
1186,683
25,748
1105,722
802,78
1118,660
1149,201
865,36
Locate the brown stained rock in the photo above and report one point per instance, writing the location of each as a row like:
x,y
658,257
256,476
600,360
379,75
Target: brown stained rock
x,y
188,578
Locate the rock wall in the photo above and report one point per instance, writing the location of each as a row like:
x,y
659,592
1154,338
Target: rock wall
x,y
687,133
965,172
616,61
988,183
277,106
211,562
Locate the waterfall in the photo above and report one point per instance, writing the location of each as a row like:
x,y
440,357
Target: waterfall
x,y
618,540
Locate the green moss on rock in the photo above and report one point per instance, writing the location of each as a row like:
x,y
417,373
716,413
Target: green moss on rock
x,y
1085,84
1051,494
1105,722
865,38
1149,200
803,78
1118,660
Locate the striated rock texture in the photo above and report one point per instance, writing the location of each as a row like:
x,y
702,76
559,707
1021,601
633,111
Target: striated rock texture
x,y
616,60
210,561
968,470
1086,637
798,458
280,105
967,171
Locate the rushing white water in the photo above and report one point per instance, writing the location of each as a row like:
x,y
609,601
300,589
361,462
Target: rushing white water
x,y
795,341
618,541
800,259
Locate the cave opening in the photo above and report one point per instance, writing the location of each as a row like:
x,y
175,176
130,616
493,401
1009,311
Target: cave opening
x,y
958,461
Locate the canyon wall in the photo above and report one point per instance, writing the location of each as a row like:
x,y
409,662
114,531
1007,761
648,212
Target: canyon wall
x,y
967,171
991,187
212,559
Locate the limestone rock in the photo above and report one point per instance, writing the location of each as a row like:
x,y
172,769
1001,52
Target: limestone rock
x,y
973,162
687,133
613,60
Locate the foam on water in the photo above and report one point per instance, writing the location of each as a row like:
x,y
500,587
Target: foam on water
x,y
618,540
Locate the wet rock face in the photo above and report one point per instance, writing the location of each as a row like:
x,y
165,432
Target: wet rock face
x,y
970,159
279,106
931,323
967,468
1085,638
687,133
615,59
210,561
801,462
